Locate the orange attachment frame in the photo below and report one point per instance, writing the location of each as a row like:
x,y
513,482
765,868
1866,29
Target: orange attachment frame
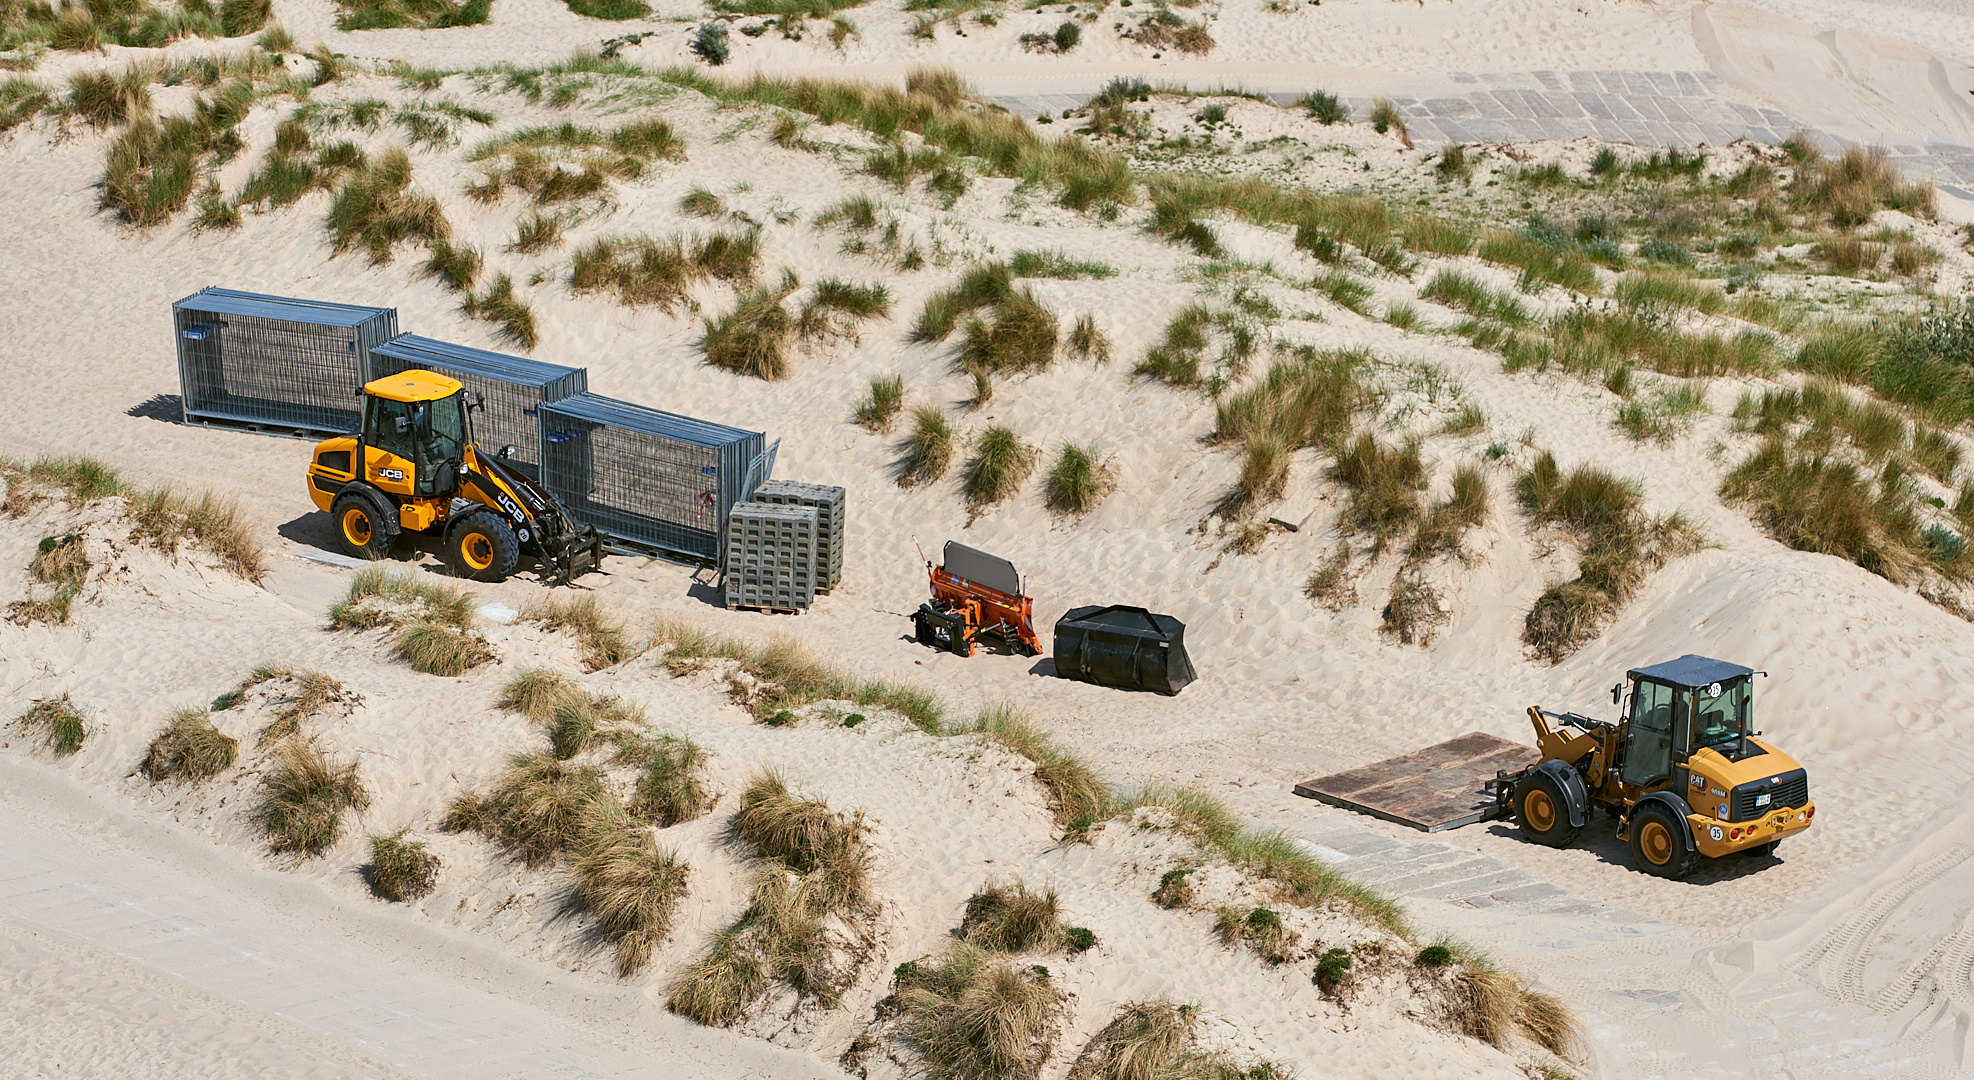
x,y
987,610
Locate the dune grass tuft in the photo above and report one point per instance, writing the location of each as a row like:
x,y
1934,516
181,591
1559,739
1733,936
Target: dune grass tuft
x,y
1619,544
1325,108
163,519
377,209
1306,399
633,887
641,271
928,449
537,693
815,871
1464,292
312,690
1011,919
1384,483
381,597
973,1015
1146,1040
1386,117
1493,1005
1413,612
303,796
1079,481
600,636
1270,854
789,677
423,14
1077,796
400,869
435,648
1540,261
1444,525
1856,185
1815,501
1260,929
103,100
57,723
808,837
1202,348
1437,236
671,786
1000,465
753,338
189,748
879,411
60,560
540,808
510,314
719,986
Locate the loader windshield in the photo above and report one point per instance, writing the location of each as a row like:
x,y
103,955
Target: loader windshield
x,y
1723,712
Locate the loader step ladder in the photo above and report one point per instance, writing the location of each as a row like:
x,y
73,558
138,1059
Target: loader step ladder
x,y
1440,787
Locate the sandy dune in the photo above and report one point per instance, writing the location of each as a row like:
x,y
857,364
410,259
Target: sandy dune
x,y
1851,953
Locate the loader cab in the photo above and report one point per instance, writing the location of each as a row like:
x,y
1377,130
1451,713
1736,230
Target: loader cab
x,y
1680,707
415,433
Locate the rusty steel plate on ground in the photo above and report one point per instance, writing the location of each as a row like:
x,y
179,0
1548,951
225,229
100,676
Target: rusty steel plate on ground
x,y
1437,788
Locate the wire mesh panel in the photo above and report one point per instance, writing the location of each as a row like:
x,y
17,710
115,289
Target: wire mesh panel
x,y
276,363
652,479
512,390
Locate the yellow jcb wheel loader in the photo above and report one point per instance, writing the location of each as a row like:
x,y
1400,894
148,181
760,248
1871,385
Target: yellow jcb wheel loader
x,y
414,468
1681,770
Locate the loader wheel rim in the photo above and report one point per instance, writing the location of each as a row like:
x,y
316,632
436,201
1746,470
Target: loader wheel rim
x,y
1539,810
356,526
1655,840
477,549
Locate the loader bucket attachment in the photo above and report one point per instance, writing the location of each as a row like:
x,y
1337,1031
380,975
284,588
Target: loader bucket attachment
x,y
1125,647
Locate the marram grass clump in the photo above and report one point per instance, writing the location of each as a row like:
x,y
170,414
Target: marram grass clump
x,y
303,795
189,748
400,869
57,723
1011,919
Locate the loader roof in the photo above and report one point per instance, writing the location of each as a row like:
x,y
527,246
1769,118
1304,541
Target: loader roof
x,y
1691,670
413,385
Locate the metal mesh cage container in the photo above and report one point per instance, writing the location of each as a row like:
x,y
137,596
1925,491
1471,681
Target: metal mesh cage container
x,y
771,556
828,501
512,388
273,363
651,479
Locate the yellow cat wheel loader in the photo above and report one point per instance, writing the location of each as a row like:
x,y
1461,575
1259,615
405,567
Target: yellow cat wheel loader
x,y
414,468
1681,770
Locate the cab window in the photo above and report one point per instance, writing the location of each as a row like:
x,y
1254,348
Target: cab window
x,y
380,428
1724,716
1648,747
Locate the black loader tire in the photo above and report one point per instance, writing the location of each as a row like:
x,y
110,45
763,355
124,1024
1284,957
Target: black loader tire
x,y
365,529
481,546
1658,846
1542,810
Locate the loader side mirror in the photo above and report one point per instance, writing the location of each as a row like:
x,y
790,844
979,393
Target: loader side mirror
x,y
475,401
402,424
1616,693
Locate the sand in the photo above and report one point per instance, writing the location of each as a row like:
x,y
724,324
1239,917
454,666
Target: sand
x,y
1850,952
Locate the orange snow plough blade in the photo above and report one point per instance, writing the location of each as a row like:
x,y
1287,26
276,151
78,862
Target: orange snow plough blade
x,y
976,594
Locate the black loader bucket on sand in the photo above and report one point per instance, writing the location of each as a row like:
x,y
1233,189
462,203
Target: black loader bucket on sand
x,y
1125,647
